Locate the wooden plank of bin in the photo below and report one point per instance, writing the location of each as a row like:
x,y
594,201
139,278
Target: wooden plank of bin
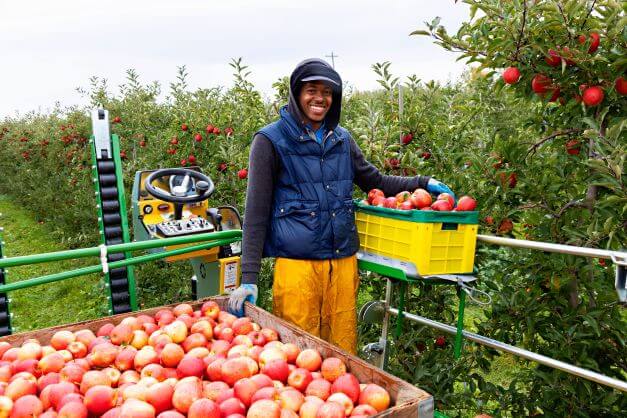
x,y
407,399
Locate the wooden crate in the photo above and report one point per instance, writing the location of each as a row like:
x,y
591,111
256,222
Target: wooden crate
x,y
407,400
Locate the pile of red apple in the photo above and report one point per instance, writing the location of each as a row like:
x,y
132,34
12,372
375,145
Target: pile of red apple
x,y
420,199
204,363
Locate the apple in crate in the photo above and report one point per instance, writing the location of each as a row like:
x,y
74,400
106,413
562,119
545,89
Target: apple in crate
x,y
372,194
466,203
406,205
390,202
441,205
402,197
421,198
378,201
447,197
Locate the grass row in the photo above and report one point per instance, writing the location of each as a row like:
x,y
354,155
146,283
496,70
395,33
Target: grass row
x,y
78,299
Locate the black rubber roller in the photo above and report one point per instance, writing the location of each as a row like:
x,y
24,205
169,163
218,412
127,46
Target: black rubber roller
x,y
115,257
119,298
119,285
107,180
4,317
117,282
110,206
113,241
117,273
106,166
111,219
109,193
113,231
5,331
121,308
1,276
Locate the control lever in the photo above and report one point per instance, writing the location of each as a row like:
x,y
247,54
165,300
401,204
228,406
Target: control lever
x,y
216,217
201,187
178,211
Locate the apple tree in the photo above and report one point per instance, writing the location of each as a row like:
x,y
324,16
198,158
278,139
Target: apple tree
x,y
560,180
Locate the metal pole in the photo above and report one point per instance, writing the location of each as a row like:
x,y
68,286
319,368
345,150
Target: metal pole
x,y
554,248
529,355
117,264
401,304
386,320
400,112
117,248
459,334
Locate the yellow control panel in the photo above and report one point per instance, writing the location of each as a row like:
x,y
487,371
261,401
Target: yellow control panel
x,y
157,216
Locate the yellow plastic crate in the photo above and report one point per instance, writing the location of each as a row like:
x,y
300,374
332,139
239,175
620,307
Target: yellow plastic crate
x,y
433,242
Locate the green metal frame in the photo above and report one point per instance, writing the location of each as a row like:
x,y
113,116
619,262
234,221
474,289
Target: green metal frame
x,y
212,239
23,260
117,161
399,277
126,237
383,270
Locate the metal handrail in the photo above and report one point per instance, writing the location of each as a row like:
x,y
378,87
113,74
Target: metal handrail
x,y
98,268
618,257
116,248
529,355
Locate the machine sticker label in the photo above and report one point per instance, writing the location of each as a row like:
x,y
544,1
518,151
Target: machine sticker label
x,y
230,277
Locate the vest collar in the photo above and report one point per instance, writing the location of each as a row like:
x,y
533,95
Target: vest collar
x,y
295,129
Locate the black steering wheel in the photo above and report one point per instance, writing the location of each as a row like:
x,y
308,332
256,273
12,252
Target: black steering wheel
x,y
204,188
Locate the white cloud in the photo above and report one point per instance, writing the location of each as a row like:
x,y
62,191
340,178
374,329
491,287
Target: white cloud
x,y
50,48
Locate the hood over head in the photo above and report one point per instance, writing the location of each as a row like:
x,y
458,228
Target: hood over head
x,y
311,70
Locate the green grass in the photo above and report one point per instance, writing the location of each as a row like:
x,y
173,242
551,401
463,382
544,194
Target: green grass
x,y
64,302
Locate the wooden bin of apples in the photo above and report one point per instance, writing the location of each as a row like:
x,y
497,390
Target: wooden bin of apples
x,y
420,199
195,360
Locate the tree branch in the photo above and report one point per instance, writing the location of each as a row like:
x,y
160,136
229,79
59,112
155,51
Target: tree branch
x,y
588,15
526,206
572,203
532,150
522,28
458,47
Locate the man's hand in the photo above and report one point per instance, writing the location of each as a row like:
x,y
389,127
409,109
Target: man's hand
x,y
436,187
246,292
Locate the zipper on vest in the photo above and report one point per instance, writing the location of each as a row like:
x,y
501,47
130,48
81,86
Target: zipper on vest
x,y
326,136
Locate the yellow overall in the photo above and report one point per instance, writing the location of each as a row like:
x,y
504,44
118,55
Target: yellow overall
x,y
319,296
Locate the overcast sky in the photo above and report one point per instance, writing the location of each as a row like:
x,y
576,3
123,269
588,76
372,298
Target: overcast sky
x,y
49,48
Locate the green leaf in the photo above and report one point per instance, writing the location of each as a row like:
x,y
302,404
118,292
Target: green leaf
x,y
591,123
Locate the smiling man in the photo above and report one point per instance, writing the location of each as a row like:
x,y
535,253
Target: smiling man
x,y
299,208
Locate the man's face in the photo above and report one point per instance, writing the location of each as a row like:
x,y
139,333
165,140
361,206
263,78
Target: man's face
x,y
315,101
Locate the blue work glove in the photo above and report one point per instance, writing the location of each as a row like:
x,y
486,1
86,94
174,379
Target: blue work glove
x,y
436,187
246,292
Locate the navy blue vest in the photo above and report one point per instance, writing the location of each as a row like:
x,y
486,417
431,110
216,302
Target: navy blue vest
x,y
312,211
